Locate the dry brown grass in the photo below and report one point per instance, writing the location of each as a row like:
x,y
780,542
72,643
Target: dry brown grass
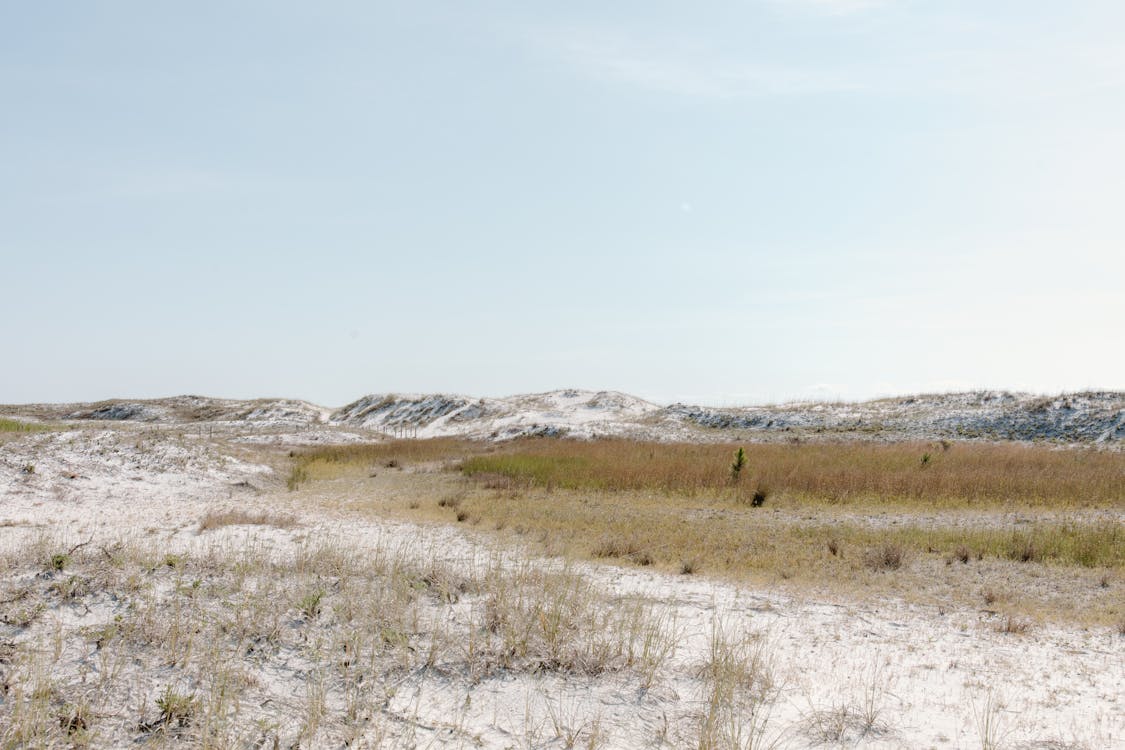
x,y
735,538
848,556
390,454
967,474
195,654
1013,626
739,690
333,461
624,502
887,556
218,518
625,548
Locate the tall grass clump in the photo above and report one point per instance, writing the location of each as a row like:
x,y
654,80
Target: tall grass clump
x,y
298,475
738,693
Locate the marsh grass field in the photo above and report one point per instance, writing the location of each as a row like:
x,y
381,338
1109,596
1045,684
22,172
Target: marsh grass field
x,y
923,475
917,516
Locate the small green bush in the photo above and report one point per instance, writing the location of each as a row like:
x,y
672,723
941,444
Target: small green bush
x,y
738,465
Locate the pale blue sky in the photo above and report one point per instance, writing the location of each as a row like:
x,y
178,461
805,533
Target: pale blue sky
x,y
716,202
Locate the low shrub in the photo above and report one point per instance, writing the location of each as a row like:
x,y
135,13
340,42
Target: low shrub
x,y
887,556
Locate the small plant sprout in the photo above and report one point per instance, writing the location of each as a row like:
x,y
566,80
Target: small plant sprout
x,y
309,605
737,466
176,709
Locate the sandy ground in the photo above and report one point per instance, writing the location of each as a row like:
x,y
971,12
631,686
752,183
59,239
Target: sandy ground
x,y
928,678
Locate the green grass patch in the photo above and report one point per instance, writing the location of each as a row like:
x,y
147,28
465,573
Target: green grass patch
x,y
1083,545
12,425
565,472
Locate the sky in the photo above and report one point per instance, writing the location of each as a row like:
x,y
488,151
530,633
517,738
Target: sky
x,y
722,203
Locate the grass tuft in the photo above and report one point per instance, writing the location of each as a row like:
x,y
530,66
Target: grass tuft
x,y
1013,626
176,709
887,556
217,519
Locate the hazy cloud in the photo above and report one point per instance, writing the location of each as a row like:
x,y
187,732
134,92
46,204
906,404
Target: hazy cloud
x,y
833,7
950,53
694,72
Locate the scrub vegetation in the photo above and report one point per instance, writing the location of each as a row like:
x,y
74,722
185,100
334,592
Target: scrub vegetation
x,y
918,517
918,475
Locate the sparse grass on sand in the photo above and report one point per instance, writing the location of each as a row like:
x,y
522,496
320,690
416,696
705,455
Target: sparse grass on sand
x,y
396,636
198,650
